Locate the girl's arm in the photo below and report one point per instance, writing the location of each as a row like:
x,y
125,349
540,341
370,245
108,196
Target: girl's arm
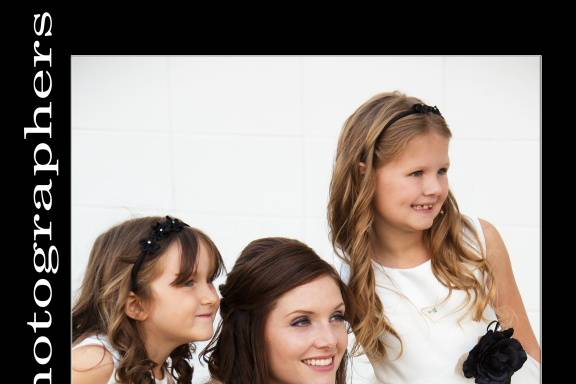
x,y
507,293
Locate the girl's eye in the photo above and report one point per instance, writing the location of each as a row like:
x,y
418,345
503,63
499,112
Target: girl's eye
x,y
417,173
189,283
300,322
443,171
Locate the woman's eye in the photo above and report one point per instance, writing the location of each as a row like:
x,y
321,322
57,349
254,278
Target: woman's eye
x,y
300,322
189,283
443,171
417,173
339,317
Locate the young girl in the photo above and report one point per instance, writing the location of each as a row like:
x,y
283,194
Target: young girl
x,y
283,318
147,294
426,279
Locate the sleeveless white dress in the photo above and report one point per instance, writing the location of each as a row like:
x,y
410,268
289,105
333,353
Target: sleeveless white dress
x,y
435,343
102,341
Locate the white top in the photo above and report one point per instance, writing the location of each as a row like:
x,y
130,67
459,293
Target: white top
x,y
434,344
102,341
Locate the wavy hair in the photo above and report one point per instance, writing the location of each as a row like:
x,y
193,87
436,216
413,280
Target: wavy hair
x,y
351,216
100,306
266,269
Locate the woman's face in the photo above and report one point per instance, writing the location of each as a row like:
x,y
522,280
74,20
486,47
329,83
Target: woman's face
x,y
306,334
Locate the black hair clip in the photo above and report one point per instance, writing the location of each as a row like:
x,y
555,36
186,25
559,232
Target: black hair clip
x,y
150,245
423,108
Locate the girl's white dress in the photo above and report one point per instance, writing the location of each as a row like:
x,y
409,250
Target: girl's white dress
x,y
435,343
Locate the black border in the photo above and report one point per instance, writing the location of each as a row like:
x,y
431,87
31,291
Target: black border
x,y
109,32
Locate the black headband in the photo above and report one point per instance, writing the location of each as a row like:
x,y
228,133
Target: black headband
x,y
416,108
150,245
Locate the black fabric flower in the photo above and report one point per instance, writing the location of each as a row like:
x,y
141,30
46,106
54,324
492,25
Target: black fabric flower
x,y
160,230
495,358
423,108
149,246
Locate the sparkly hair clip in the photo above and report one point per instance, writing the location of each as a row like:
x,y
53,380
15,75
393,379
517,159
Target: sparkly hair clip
x,y
150,245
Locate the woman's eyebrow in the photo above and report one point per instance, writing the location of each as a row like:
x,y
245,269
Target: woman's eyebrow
x,y
306,312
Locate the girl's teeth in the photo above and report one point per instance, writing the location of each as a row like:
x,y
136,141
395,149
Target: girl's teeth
x,y
320,362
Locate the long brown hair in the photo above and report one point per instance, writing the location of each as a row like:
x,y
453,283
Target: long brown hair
x,y
100,306
351,216
266,269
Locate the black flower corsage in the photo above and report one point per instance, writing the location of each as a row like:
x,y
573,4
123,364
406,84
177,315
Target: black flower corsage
x,y
495,358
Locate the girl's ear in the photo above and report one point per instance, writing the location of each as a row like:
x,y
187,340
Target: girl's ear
x,y
362,168
134,308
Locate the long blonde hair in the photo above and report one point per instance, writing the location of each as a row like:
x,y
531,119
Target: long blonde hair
x,y
351,216
100,307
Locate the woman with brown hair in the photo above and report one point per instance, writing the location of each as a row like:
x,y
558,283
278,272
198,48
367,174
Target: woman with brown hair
x,y
284,312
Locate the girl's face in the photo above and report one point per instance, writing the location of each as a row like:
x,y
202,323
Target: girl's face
x,y
182,314
306,334
411,189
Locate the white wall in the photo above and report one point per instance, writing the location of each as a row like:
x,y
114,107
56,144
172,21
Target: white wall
x,y
242,147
